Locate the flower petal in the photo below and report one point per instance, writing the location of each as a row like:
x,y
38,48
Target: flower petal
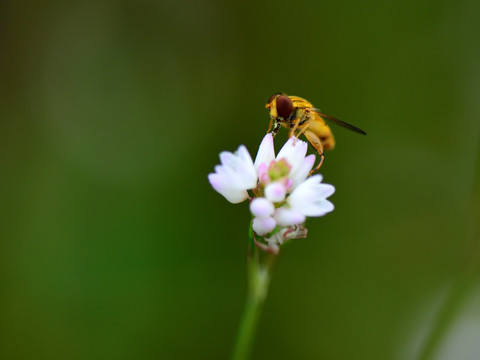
x,y
246,170
309,198
326,190
238,169
303,193
266,152
244,155
302,171
263,226
319,208
262,171
261,207
285,216
224,186
293,152
276,191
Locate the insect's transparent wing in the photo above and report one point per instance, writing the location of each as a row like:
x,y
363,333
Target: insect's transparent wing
x,y
341,123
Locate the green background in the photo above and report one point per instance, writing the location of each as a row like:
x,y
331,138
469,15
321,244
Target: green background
x,y
113,244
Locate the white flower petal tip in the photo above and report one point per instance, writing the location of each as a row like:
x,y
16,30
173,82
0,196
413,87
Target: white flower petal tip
x,y
261,207
317,178
293,151
266,152
327,190
263,226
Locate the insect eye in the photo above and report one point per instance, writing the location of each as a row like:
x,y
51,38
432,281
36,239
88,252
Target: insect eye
x,y
273,97
284,106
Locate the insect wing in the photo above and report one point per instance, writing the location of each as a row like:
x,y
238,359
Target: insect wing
x,y
341,123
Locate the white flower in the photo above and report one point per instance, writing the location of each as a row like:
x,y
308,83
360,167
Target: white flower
x,y
308,199
235,176
283,197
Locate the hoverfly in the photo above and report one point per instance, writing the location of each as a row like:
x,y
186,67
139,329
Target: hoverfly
x,y
298,114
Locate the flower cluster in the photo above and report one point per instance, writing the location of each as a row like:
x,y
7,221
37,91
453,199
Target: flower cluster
x,y
282,193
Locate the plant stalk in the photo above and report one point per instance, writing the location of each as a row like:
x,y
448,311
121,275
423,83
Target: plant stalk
x,y
259,273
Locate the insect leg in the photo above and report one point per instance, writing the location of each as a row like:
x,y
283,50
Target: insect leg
x,y
317,144
294,128
270,125
302,130
276,126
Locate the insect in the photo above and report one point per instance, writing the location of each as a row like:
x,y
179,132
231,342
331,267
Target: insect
x,y
302,118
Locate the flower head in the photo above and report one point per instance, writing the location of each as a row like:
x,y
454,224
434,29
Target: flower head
x,y
235,175
282,195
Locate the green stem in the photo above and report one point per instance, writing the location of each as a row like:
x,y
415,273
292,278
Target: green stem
x,y
258,280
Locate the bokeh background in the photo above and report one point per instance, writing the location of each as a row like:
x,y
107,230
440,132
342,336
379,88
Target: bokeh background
x,y
114,246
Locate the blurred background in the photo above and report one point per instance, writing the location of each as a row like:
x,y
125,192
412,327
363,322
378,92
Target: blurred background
x,y
113,244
